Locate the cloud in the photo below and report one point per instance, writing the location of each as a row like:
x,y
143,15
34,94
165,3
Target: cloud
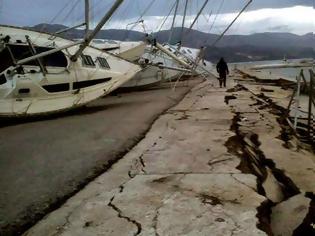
x,y
262,16
297,20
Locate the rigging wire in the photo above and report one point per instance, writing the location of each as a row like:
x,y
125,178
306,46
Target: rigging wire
x,y
197,16
70,11
44,27
100,9
215,18
229,26
166,18
144,12
237,26
173,22
184,19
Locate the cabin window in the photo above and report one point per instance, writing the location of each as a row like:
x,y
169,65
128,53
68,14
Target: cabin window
x,y
57,59
5,60
89,83
19,52
3,80
103,62
87,60
24,90
56,88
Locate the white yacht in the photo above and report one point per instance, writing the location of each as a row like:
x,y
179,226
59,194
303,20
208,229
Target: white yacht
x,y
38,74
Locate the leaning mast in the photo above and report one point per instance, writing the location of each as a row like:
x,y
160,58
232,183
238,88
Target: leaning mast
x,y
88,38
173,23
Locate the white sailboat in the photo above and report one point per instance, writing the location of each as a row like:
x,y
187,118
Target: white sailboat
x,y
41,74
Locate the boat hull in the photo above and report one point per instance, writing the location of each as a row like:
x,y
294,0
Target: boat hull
x,y
29,91
148,77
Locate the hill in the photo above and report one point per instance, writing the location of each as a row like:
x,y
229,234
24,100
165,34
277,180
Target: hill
x,y
259,46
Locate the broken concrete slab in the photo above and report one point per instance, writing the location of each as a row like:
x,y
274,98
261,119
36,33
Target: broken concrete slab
x,y
192,204
288,215
298,165
272,188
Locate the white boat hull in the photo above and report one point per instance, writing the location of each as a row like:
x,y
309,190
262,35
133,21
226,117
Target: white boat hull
x,y
32,92
149,76
160,58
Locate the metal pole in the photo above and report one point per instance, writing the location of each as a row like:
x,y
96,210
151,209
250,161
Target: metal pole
x,y
172,27
172,55
297,101
70,28
43,54
311,90
33,51
184,18
188,59
229,26
199,13
88,38
87,16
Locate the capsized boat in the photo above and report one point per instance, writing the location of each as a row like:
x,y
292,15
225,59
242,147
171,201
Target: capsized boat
x,y
38,75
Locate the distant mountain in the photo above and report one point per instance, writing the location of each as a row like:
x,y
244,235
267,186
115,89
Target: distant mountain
x,y
260,46
113,34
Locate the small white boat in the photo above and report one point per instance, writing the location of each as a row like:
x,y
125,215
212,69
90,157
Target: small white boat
x,y
31,84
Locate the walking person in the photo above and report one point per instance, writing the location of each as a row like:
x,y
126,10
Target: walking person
x,y
223,70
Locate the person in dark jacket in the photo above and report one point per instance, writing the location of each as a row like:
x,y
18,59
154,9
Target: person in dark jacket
x,y
223,70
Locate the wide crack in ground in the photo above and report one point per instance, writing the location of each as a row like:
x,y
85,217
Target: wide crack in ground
x,y
246,145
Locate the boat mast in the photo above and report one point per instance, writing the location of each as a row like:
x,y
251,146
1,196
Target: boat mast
x,y
184,18
88,37
172,28
86,23
229,26
87,16
199,13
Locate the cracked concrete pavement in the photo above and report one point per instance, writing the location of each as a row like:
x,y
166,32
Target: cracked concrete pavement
x,y
204,168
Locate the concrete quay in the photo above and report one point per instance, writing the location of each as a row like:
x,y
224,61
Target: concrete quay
x,y
221,162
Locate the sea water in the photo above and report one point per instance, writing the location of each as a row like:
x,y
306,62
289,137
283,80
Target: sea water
x,y
289,73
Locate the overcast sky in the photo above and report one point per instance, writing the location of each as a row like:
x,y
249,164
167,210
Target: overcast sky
x,y
295,16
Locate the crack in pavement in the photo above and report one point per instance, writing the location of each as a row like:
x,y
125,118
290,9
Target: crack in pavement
x,y
120,215
155,222
61,228
211,163
237,180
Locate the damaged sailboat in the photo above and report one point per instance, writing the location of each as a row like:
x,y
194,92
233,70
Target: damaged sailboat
x,y
42,74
